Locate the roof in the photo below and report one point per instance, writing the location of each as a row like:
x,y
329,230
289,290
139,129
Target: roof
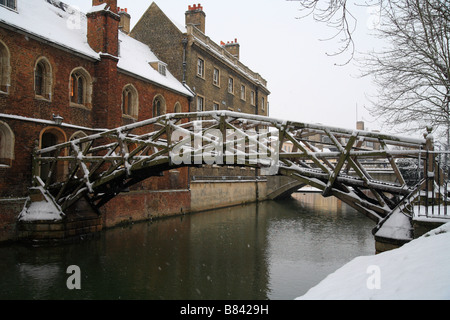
x,y
219,52
65,26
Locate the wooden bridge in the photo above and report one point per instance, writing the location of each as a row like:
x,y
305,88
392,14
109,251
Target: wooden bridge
x,y
100,166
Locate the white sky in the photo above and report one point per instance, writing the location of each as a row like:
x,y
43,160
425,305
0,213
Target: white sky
x,y
305,83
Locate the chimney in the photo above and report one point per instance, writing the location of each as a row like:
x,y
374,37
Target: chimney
x,y
111,4
359,125
232,47
195,16
125,20
103,27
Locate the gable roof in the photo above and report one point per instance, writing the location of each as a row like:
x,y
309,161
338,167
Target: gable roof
x,y
65,27
205,43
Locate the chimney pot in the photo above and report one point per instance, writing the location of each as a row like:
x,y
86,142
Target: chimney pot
x,y
196,17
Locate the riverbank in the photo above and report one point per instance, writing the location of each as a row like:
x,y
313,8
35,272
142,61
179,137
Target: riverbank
x,y
416,271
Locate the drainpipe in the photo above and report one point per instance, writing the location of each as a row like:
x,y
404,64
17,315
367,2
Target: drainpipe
x,y
257,130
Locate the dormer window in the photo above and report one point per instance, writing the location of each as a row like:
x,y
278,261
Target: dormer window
x,y
159,66
11,4
162,69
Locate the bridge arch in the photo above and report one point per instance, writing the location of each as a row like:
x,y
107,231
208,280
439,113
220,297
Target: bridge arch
x,y
107,165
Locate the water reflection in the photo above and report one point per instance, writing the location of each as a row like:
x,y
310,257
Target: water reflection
x,y
273,250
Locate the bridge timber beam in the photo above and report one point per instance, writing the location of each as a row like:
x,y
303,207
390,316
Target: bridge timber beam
x,y
337,161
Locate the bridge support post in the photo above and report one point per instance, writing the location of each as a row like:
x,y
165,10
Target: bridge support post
x,y
429,169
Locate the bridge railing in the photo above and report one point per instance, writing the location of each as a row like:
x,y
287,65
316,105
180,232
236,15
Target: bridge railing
x,y
335,160
434,178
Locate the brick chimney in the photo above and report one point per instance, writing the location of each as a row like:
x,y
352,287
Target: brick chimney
x,y
103,37
111,4
232,47
103,27
125,20
195,16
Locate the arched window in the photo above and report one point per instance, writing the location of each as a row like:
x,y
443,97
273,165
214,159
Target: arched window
x,y
159,106
5,68
6,145
130,101
43,79
177,108
80,87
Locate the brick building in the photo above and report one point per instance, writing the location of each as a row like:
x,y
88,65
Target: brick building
x,y
57,63
213,71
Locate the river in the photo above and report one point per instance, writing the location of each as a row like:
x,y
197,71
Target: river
x,y
273,250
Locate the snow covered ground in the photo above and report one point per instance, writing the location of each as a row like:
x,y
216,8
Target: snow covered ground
x,y
419,270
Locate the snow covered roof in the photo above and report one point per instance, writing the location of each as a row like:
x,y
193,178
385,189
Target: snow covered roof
x,y
135,57
66,27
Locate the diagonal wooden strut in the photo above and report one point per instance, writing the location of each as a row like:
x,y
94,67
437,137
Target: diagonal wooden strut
x,y
337,161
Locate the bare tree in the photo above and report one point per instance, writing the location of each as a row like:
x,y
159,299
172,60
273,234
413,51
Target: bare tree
x,y
336,15
413,72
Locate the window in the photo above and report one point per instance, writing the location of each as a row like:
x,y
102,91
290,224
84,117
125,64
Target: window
x,y
6,145
130,101
200,68
252,98
216,77
242,92
263,103
159,106
177,108
5,68
200,104
231,85
80,87
43,79
9,4
215,106
162,69
159,66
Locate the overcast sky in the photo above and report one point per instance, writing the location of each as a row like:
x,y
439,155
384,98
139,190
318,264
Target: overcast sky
x,y
306,84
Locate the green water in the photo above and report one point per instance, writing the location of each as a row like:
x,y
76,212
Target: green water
x,y
271,250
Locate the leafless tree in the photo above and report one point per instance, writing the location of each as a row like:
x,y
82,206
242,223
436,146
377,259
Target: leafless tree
x,y
413,71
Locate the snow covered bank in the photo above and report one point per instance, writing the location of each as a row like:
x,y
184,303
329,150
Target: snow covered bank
x,y
419,270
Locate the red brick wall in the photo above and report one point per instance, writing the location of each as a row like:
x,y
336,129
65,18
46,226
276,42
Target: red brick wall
x,y
104,112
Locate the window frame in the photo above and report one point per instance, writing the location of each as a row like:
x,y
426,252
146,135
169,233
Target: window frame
x,y
83,78
5,68
130,101
200,67
46,81
243,92
230,88
7,142
216,77
162,108
202,99
7,4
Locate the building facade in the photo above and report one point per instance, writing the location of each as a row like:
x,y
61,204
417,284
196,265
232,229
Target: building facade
x,y
219,80
65,74
213,71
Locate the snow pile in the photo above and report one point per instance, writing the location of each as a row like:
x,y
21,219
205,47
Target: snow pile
x,y
44,210
419,270
41,211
